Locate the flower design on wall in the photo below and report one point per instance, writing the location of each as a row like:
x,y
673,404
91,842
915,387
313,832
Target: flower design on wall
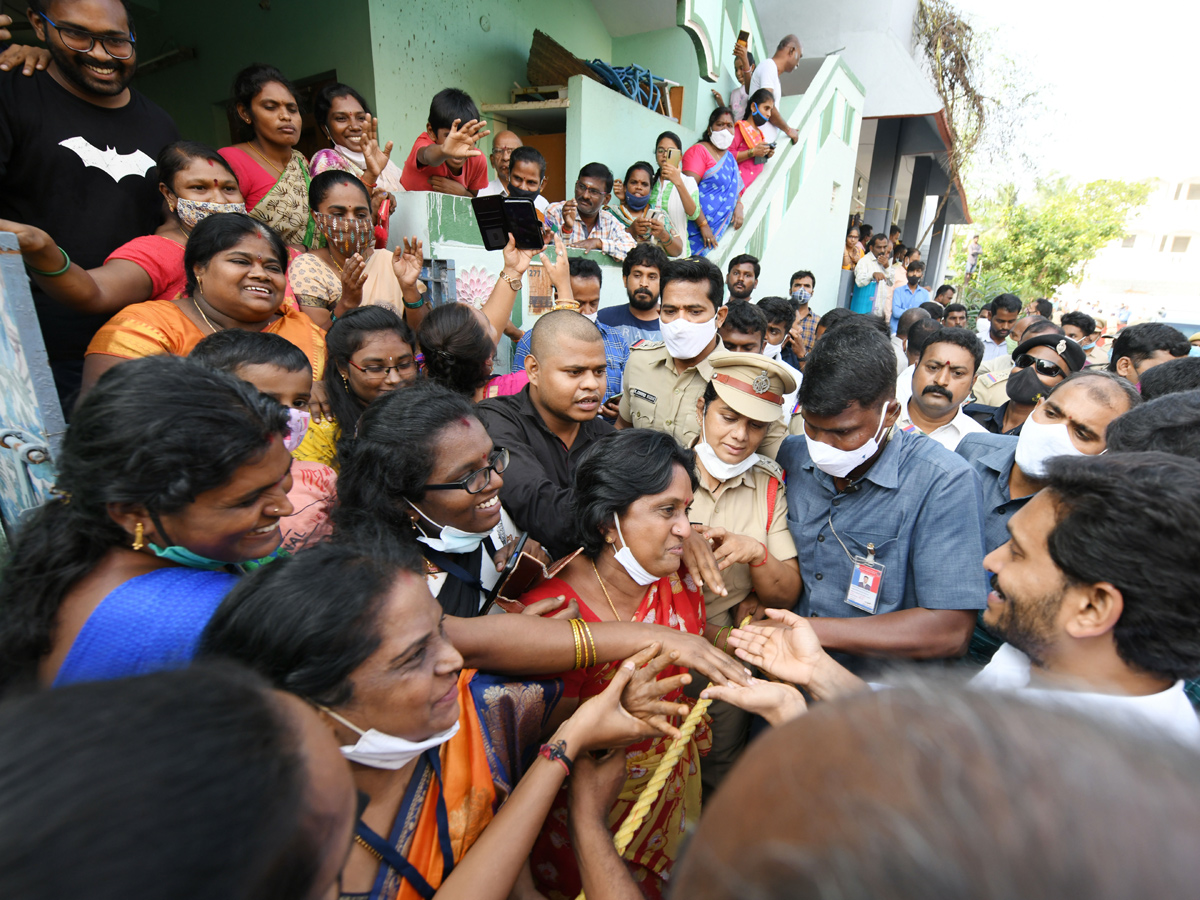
x,y
474,285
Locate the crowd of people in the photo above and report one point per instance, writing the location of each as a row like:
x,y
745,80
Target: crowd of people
x,y
342,611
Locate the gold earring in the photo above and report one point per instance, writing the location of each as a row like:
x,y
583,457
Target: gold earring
x,y
346,384
138,534
610,538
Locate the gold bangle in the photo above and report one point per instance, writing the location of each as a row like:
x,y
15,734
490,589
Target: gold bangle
x,y
587,631
578,644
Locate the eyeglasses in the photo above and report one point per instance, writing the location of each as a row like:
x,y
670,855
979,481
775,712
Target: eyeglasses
x,y
480,478
663,151
1041,366
581,188
503,152
377,372
84,41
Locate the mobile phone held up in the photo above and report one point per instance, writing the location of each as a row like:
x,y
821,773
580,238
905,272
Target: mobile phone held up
x,y
674,156
499,216
743,38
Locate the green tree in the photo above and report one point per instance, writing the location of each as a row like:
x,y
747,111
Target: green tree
x,y
1035,247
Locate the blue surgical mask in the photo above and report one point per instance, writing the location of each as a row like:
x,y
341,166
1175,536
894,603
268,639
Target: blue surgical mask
x,y
193,560
636,204
1086,347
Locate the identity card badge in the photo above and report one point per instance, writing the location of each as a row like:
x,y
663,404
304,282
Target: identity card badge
x,y
865,583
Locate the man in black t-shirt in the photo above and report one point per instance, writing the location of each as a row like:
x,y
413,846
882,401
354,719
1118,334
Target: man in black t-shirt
x,y
77,152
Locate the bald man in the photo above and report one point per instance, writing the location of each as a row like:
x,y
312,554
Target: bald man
x,y
503,144
548,426
766,75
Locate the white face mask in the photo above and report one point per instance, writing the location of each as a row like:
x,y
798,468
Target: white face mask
x,y
592,317
1038,443
773,351
721,139
717,467
629,562
840,463
449,539
386,751
686,340
298,422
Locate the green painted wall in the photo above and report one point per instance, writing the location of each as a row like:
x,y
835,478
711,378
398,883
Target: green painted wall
x,y
422,46
300,37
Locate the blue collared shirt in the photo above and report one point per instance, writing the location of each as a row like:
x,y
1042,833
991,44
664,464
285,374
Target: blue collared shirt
x,y
904,297
919,504
616,354
991,456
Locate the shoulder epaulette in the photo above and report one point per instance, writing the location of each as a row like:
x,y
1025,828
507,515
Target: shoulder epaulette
x,y
647,344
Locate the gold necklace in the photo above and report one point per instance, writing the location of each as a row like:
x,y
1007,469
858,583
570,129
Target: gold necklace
x,y
611,605
263,157
362,843
214,328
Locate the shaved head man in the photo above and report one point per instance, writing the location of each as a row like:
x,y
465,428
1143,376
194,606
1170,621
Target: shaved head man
x,y
503,144
547,426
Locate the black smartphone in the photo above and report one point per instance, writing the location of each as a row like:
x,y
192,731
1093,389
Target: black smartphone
x,y
500,216
509,567
520,217
489,214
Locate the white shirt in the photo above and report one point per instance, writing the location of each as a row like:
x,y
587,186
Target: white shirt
x,y
789,402
901,356
1169,711
904,383
494,187
947,435
992,350
766,75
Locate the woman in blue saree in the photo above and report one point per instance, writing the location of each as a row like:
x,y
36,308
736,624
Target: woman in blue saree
x,y
172,478
716,172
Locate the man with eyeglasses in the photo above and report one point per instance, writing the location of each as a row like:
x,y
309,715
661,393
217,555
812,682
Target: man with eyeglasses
x,y
584,221
1040,363
77,155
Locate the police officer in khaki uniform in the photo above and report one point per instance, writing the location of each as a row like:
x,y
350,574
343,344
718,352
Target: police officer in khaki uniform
x,y
664,380
741,507
991,381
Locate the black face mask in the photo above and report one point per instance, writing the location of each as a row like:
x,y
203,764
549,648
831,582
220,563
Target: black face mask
x,y
913,279
521,194
1025,387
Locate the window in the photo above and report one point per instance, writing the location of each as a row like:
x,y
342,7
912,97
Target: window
x,y
1163,244
848,126
1128,241
1178,189
1180,244
827,121
1194,191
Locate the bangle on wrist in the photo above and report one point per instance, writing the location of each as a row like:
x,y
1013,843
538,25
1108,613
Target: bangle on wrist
x,y
766,556
557,751
62,271
416,305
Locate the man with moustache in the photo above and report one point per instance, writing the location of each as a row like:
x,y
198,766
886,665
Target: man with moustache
x,y
584,221
642,270
940,385
548,426
77,156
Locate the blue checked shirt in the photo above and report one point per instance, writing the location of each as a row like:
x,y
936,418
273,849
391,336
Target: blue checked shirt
x,y
616,354
919,504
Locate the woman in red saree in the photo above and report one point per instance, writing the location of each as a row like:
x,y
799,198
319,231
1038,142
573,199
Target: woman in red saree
x,y
633,522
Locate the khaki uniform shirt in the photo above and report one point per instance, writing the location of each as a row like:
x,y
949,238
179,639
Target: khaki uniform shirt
x,y
991,384
740,506
654,395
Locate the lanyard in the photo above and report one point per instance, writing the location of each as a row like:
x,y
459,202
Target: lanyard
x,y
392,857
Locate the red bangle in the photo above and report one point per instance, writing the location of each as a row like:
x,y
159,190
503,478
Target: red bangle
x,y
766,556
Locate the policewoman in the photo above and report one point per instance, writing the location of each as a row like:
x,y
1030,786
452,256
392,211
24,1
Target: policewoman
x,y
741,507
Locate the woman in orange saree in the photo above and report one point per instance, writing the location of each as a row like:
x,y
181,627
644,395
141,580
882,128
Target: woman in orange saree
x,y
235,279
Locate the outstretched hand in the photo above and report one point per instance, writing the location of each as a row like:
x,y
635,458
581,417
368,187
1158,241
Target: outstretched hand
x,y
460,142
407,261
602,722
516,259
774,701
